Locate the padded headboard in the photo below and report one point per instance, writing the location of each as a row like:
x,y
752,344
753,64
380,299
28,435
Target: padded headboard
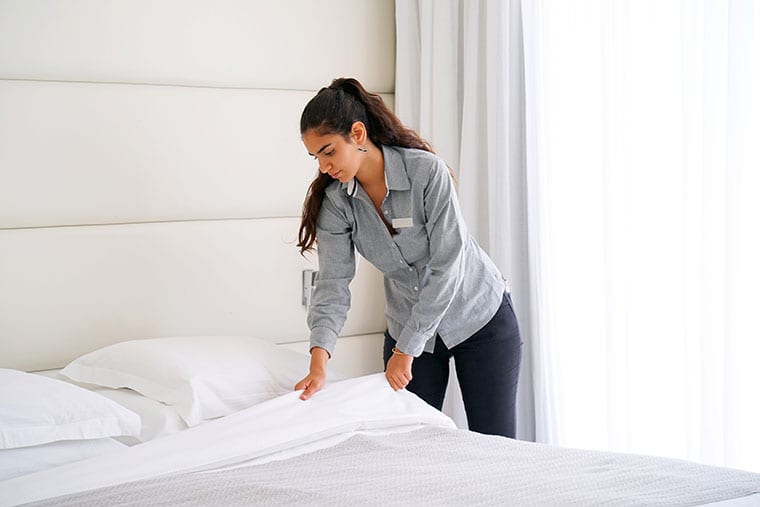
x,y
152,172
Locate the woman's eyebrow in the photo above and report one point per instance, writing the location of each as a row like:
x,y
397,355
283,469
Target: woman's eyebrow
x,y
321,149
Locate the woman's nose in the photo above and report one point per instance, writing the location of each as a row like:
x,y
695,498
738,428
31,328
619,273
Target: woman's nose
x,y
324,166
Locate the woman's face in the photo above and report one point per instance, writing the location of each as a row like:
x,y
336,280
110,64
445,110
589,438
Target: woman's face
x,y
336,156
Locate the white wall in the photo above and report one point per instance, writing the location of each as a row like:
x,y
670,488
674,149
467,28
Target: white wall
x,y
151,169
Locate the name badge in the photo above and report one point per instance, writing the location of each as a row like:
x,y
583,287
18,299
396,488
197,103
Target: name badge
x,y
401,223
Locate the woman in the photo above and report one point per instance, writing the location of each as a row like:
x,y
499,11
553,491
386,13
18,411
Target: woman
x,y
382,191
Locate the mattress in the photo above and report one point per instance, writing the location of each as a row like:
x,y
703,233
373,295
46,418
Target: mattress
x,y
358,442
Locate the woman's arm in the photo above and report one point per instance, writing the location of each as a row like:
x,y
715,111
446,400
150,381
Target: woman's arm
x,y
332,297
337,267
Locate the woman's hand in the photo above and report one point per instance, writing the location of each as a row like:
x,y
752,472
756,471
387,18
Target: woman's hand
x,y
311,383
399,370
317,376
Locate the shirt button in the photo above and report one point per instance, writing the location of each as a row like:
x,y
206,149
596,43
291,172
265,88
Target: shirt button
x,y
415,288
411,269
386,212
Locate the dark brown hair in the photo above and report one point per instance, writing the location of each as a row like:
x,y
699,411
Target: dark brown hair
x,y
333,110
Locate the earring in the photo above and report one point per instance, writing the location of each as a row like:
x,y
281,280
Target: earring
x,y
362,149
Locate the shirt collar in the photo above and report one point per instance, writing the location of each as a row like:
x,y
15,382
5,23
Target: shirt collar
x,y
395,173
350,187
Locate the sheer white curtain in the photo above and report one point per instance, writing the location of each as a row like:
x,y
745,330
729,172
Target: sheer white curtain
x,y
631,239
643,150
459,82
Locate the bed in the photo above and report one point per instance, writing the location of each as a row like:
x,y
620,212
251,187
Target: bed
x,y
357,442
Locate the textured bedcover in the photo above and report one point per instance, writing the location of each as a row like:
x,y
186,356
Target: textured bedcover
x,y
439,466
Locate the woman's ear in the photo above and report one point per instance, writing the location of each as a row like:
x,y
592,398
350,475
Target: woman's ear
x,y
359,132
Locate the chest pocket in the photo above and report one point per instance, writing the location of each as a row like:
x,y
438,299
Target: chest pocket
x,y
368,237
413,243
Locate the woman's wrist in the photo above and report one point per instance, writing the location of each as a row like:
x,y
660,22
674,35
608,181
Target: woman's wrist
x,y
319,357
398,352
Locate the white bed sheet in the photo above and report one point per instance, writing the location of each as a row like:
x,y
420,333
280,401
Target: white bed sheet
x,y
26,460
257,434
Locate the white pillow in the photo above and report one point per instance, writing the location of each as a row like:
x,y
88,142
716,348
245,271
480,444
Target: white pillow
x,y
158,419
203,377
36,410
25,460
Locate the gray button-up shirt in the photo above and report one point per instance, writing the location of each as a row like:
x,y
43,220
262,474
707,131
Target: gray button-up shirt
x,y
437,279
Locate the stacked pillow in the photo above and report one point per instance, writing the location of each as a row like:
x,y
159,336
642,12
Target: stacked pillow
x,y
156,419
48,422
201,377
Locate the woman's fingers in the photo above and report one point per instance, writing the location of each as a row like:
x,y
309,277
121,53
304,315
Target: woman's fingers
x,y
310,390
399,371
398,380
310,385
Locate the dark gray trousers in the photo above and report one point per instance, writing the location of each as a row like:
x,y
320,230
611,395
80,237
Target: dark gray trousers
x,y
487,365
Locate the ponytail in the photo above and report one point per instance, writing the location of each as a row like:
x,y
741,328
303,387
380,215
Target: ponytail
x,y
333,110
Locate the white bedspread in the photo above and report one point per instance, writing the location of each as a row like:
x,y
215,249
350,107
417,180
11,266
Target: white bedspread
x,y
437,466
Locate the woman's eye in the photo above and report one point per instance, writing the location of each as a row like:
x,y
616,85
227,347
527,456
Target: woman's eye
x,y
330,153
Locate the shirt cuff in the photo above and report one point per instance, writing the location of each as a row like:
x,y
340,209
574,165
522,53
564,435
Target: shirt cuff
x,y
411,342
323,337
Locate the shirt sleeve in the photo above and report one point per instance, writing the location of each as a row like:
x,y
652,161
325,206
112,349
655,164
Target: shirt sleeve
x,y
337,266
447,235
